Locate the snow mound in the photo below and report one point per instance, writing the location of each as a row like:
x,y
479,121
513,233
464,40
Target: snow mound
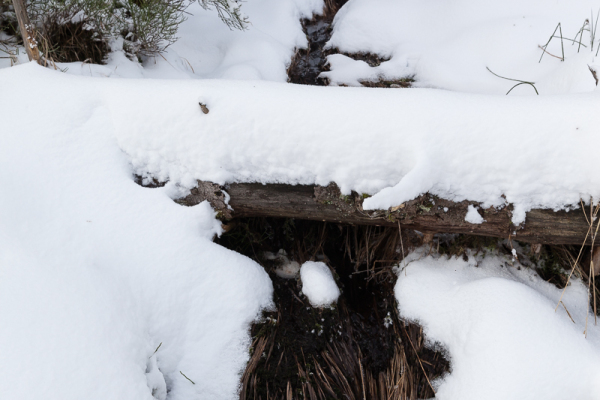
x,y
96,271
498,325
449,44
318,284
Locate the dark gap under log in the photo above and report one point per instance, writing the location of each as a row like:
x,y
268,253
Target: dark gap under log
x,y
427,213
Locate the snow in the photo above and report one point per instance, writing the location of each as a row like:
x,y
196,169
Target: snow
x,y
111,290
489,149
96,271
393,145
318,284
500,329
155,379
449,44
268,132
208,49
473,215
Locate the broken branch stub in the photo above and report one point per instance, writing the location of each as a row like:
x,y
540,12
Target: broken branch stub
x,y
212,193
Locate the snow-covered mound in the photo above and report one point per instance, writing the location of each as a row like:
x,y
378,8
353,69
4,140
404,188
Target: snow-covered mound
x,y
498,324
318,284
449,44
96,271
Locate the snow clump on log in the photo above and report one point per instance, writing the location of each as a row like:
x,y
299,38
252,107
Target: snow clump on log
x,y
473,216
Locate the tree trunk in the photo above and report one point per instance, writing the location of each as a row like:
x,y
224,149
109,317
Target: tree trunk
x,y
427,213
27,31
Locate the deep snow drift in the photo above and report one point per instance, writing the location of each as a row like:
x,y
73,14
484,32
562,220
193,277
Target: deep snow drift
x,y
498,324
96,271
449,44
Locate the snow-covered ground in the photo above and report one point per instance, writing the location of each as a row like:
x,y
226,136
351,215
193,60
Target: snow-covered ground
x,y
449,44
96,272
497,321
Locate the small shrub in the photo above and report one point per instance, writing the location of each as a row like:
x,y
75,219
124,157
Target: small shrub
x,y
69,29
150,26
8,21
81,30
229,12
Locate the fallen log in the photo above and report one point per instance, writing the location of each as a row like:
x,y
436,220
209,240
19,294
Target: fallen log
x,y
427,213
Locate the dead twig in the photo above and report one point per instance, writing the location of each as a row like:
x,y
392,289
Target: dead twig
x,y
419,359
550,54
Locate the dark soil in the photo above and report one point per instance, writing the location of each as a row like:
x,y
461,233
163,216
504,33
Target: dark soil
x,y
307,350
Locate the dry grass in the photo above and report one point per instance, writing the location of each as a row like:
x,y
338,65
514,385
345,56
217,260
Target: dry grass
x,y
60,39
332,7
69,42
357,350
341,371
9,51
576,266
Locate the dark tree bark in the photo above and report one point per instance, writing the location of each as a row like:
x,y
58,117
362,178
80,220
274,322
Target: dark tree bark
x,y
427,213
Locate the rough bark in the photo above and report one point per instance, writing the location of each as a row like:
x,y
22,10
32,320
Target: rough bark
x,y
427,213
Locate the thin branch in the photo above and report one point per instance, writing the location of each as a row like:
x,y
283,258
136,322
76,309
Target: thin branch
x,y
187,377
550,54
547,43
521,82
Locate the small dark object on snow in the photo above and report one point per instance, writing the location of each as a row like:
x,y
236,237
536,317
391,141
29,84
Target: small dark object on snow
x,y
593,71
204,108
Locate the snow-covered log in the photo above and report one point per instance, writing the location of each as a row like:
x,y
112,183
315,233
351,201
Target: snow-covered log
x,y
426,213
